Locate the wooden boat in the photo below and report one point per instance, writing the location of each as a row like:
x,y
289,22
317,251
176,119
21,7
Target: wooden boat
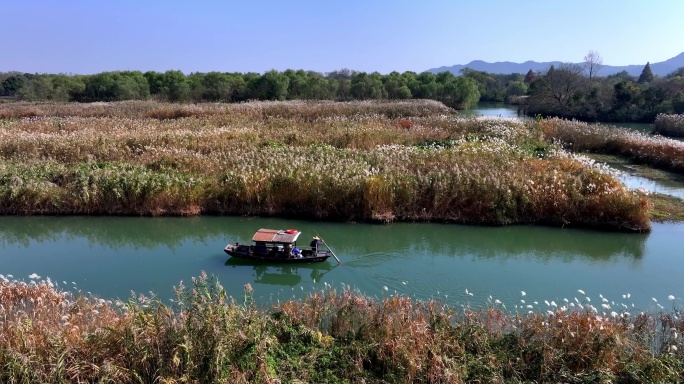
x,y
277,246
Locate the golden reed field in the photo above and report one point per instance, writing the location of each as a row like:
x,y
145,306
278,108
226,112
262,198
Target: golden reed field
x,y
355,161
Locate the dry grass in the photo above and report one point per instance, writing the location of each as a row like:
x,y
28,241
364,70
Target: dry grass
x,y
344,161
53,336
655,151
669,125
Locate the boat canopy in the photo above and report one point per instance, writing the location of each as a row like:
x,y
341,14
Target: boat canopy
x,y
276,235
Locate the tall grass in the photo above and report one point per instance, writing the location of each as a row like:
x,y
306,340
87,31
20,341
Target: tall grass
x,y
300,109
652,150
49,335
344,161
669,125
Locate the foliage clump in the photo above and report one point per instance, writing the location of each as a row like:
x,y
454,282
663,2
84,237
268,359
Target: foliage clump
x,y
49,335
669,125
655,151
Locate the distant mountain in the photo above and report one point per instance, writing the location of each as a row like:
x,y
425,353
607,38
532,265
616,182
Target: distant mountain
x,y
659,69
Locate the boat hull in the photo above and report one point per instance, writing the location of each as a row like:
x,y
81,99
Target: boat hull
x,y
245,253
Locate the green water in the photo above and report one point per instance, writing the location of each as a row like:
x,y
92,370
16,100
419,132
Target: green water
x,y
112,256
492,109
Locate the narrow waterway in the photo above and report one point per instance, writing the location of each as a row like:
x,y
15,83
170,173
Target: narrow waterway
x,y
112,256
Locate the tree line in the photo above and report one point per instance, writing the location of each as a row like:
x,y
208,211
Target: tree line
x,y
577,91
460,92
574,91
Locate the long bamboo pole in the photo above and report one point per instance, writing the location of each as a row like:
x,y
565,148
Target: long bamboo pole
x,y
326,245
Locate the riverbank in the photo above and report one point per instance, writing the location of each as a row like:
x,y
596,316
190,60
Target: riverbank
x,y
641,148
330,336
359,161
665,207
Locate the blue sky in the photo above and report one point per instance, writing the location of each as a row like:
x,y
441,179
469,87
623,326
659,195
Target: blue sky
x,y
79,36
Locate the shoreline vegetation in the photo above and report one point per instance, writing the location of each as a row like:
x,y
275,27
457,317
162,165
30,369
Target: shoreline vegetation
x,y
669,125
204,335
414,160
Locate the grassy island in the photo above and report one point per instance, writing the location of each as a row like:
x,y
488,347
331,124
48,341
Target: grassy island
x,y
357,161
55,336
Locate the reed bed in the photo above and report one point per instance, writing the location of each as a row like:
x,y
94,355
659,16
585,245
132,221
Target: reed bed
x,y
642,148
302,109
669,125
340,161
57,336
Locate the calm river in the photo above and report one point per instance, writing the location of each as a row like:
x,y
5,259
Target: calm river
x,y
112,256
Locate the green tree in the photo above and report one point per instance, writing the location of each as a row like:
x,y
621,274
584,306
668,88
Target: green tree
x,y
516,88
67,88
321,88
403,93
620,77
273,85
12,84
529,77
114,86
37,88
365,86
155,81
646,75
427,88
393,82
490,89
410,79
627,99
298,84
216,86
175,85
679,72
343,80
457,92
170,85
559,92
678,103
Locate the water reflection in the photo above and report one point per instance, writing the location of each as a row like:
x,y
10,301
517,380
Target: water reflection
x,y
287,275
113,232
112,256
364,242
546,244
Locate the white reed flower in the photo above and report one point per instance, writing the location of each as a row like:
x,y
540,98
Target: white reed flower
x,y
581,292
671,297
34,276
523,293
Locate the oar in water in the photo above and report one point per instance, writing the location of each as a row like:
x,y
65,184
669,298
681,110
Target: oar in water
x,y
326,245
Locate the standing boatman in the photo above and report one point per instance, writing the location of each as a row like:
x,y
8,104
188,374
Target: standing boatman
x,y
315,243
